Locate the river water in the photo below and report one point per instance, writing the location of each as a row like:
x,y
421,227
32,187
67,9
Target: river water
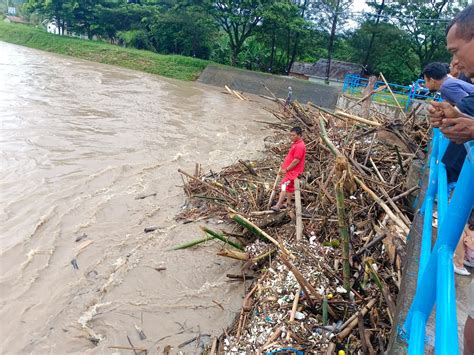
x,y
79,141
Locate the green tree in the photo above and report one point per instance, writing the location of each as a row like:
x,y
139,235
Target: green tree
x,y
281,30
390,53
331,16
424,22
238,19
59,11
184,28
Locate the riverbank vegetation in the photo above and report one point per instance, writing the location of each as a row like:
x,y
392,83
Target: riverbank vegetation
x,y
172,66
266,35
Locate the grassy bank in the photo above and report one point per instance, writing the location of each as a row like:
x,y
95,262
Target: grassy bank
x,y
172,66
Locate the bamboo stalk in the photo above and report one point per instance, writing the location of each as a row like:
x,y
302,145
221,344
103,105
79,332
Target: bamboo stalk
x,y
347,327
394,97
208,185
382,204
399,159
191,243
299,221
325,310
244,222
357,118
370,148
394,206
383,289
324,135
293,310
272,195
262,213
403,194
234,254
221,237
377,171
343,232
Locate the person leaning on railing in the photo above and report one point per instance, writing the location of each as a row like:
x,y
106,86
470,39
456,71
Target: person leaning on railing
x,y
458,123
452,90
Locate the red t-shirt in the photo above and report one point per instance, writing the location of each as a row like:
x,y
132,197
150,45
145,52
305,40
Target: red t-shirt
x,y
297,151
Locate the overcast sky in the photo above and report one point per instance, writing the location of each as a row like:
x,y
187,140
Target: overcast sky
x,y
359,5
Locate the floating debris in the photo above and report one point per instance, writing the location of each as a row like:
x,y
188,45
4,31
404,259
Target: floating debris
x,y
329,286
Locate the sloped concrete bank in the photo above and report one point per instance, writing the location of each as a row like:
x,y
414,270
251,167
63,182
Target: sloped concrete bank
x,y
254,82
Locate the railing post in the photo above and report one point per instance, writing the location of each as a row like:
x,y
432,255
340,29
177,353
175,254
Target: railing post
x,y
436,281
446,339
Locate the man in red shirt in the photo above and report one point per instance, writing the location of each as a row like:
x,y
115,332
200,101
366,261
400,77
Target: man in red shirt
x,y
292,167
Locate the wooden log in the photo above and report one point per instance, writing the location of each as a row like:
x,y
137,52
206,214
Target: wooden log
x,y
299,220
368,94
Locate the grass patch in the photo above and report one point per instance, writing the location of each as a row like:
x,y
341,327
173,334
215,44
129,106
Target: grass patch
x,y
383,97
171,66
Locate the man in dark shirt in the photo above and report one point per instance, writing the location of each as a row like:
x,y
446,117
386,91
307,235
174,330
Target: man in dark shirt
x,y
450,88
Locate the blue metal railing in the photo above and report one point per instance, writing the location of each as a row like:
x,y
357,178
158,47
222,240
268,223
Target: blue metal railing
x,y
436,270
406,94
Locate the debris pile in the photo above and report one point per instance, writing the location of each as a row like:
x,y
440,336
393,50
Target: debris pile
x,y
331,284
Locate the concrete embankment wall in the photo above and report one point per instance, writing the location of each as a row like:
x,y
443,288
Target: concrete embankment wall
x,y
253,82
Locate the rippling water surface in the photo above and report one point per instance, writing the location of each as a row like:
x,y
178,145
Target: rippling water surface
x,y
78,142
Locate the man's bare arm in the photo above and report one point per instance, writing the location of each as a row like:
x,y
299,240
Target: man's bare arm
x,y
291,166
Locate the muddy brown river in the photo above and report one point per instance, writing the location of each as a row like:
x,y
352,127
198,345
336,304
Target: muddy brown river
x,y
79,141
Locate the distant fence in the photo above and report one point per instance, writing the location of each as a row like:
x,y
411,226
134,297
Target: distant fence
x,y
354,84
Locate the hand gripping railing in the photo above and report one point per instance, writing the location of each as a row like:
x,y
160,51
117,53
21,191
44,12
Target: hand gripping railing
x,y
436,270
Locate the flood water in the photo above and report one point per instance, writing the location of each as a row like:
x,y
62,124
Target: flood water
x,y
79,141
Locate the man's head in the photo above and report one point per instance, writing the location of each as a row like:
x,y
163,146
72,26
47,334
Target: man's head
x,y
434,74
295,134
460,39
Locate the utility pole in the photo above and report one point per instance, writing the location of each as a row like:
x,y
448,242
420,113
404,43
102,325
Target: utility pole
x,y
379,12
331,40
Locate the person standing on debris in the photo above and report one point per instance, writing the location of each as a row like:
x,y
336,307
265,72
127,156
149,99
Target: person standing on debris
x,y
289,97
292,167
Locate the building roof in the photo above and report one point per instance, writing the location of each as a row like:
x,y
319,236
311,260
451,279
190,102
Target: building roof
x,y
337,71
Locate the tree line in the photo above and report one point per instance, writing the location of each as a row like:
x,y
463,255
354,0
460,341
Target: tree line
x,y
396,38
